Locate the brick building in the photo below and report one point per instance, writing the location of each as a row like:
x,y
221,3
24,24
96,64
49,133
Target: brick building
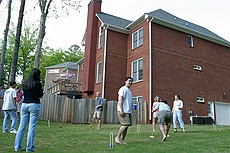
x,y
165,55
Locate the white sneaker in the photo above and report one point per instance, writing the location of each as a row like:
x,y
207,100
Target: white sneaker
x,y
4,131
13,131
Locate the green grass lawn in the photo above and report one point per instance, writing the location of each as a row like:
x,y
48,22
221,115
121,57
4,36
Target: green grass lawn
x,y
74,138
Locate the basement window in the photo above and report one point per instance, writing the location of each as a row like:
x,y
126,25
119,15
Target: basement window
x,y
137,99
197,67
200,99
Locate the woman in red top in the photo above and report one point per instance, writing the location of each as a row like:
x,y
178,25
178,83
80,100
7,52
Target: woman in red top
x,y
19,100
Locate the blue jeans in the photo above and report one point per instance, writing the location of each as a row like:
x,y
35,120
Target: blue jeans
x,y
178,115
7,115
29,113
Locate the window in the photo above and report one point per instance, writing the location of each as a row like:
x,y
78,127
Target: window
x,y
101,38
53,71
137,38
137,70
199,99
82,66
190,41
197,67
137,99
99,72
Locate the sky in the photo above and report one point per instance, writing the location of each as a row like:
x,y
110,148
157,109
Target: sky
x,y
66,31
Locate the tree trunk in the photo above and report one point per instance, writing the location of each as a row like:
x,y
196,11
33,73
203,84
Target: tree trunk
x,y
5,40
17,42
41,35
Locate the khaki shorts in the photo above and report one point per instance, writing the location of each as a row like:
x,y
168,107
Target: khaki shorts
x,y
126,121
97,114
164,117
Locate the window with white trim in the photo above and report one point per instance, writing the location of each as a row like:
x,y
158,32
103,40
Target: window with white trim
x,y
197,67
99,72
82,66
137,99
137,70
137,38
200,99
190,41
101,37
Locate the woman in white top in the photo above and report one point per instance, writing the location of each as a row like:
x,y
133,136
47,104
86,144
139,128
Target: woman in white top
x,y
177,113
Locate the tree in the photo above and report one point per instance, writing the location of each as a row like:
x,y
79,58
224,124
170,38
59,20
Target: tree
x,y
27,50
17,41
5,40
45,5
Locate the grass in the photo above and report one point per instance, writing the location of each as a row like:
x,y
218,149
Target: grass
x,y
72,138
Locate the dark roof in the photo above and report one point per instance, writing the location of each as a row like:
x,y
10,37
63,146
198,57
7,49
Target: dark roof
x,y
113,20
167,17
67,65
162,16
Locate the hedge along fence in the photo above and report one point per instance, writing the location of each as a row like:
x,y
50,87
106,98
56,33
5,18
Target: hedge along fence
x,y
79,111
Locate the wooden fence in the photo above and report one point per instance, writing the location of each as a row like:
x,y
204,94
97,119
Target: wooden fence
x,y
62,109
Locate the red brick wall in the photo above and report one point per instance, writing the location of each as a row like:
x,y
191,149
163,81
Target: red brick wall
x,y
116,64
173,70
140,88
90,47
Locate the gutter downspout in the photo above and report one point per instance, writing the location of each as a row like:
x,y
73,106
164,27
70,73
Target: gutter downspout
x,y
150,69
104,63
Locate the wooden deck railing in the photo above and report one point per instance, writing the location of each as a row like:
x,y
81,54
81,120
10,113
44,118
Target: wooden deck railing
x,y
62,88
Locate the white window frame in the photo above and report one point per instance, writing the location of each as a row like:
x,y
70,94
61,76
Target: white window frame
x,y
197,67
101,37
190,41
137,77
136,99
139,38
99,72
53,71
200,99
82,66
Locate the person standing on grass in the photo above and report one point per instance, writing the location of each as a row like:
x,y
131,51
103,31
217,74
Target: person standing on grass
x,y
9,108
164,118
30,110
98,110
124,108
1,97
155,115
19,100
177,113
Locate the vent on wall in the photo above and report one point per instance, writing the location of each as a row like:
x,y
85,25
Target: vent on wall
x,y
197,67
199,99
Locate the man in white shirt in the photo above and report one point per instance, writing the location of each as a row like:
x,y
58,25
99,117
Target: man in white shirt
x,y
9,108
124,108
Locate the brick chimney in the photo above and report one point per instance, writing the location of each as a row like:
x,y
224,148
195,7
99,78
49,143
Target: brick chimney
x,y
88,79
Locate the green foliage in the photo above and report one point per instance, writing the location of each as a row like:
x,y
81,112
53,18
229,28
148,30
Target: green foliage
x,y
27,53
72,138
